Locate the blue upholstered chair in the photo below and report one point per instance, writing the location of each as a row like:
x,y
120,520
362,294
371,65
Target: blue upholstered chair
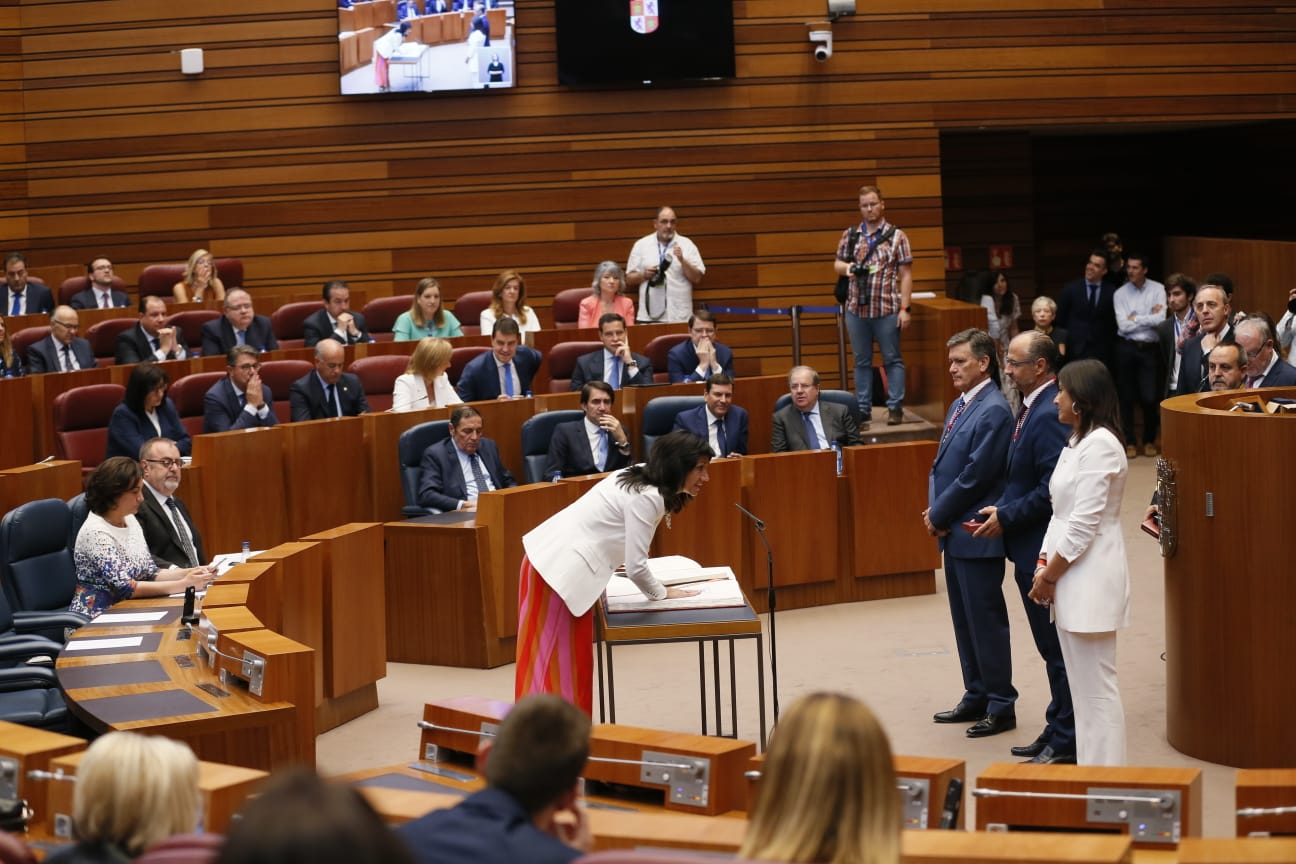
x,y
658,418
413,442
36,568
536,434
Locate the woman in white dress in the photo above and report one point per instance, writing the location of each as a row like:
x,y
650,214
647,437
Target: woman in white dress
x,y
1083,574
425,383
509,302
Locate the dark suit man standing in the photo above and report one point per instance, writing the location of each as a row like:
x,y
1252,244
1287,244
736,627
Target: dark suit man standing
x,y
239,326
336,320
1264,367
150,339
62,350
700,357
966,476
590,445
23,297
616,363
1176,329
239,400
1211,306
1022,514
504,372
169,530
99,294
1087,311
455,471
808,423
328,391
721,422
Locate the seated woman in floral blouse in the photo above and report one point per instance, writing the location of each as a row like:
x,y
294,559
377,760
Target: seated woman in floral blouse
x,y
112,558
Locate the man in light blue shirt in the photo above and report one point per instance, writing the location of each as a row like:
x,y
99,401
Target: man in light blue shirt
x,y
1140,306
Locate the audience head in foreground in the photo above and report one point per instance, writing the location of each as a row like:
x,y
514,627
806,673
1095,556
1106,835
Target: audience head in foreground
x,y
828,790
299,817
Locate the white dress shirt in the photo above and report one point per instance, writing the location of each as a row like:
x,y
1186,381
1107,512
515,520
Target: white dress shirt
x,y
1139,302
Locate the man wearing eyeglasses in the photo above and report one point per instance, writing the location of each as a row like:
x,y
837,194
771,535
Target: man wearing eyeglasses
x,y
62,350
99,294
239,326
1264,367
169,530
239,400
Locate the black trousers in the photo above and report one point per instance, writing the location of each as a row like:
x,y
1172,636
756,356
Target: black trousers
x,y
1138,377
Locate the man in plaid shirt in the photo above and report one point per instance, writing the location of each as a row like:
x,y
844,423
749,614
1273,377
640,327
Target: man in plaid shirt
x,y
876,256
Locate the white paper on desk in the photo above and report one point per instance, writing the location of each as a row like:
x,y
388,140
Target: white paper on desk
x,y
225,562
95,644
128,617
717,593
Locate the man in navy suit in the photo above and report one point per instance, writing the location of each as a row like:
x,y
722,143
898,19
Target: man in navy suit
x,y
239,326
1022,514
593,444
99,294
239,400
62,350
700,357
336,320
1211,306
328,391
831,423
967,475
435,7
721,422
1087,310
455,471
504,372
616,363
1264,367
150,339
24,297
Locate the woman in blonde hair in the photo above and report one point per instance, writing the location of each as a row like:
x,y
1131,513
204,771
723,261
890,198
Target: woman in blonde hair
x,y
200,280
509,302
427,315
828,790
425,383
131,791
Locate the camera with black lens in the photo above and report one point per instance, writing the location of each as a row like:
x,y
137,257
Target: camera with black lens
x,y
858,269
659,278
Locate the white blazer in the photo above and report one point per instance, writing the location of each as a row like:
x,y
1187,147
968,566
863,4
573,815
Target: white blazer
x,y
532,325
410,393
1093,596
576,549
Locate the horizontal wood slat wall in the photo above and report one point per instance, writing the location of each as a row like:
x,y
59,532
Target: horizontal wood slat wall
x,y
108,150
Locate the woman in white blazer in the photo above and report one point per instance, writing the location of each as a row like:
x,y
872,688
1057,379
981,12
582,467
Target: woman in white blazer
x,y
426,374
1083,573
571,555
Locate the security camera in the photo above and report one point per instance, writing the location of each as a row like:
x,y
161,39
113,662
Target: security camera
x,y
823,44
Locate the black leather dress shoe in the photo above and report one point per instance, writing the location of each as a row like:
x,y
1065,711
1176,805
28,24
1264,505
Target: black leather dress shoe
x,y
963,712
1032,749
1047,756
992,724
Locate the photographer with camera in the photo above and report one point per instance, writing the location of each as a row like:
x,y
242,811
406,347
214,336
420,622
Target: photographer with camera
x,y
875,256
668,265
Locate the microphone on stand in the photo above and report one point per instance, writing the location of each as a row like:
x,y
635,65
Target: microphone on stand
x,y
769,601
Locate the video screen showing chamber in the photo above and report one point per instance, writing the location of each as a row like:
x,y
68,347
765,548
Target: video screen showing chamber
x,y
425,46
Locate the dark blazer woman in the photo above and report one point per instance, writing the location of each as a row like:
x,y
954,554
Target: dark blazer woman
x,y
130,425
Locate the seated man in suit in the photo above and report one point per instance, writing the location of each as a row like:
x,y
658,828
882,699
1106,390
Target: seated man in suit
x,y
808,424
530,810
239,326
99,294
1226,366
1264,367
616,363
23,297
596,443
701,356
336,320
62,350
719,421
455,471
328,391
149,339
504,372
239,400
169,530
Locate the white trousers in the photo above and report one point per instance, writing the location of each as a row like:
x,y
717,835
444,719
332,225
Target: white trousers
x,y
1099,716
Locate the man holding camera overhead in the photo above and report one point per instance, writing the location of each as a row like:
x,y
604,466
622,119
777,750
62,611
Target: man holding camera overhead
x,y
876,256
668,265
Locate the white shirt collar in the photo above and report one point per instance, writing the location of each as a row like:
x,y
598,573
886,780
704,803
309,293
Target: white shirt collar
x,y
1030,398
972,394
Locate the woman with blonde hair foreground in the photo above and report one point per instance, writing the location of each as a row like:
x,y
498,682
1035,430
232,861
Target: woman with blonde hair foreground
x,y
425,383
828,790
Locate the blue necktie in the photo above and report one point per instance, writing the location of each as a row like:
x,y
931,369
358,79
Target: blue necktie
x,y
479,479
1093,298
603,450
722,441
811,435
17,304
240,337
508,379
616,373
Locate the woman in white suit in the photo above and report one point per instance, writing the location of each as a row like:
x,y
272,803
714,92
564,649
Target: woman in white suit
x,y
1082,569
425,383
571,555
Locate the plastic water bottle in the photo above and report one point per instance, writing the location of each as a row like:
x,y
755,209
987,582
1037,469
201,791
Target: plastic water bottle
x,y
247,552
837,448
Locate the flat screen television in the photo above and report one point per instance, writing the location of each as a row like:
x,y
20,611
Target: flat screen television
x,y
644,42
425,46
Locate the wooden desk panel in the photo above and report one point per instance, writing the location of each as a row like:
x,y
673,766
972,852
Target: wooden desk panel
x,y
33,482
235,491
325,474
1228,850
758,396
1266,788
796,495
888,490
33,750
17,431
301,602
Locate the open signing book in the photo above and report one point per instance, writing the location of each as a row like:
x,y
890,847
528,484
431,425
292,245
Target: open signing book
x,y
716,587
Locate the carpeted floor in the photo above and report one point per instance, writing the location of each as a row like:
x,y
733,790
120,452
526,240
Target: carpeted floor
x,y
897,655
